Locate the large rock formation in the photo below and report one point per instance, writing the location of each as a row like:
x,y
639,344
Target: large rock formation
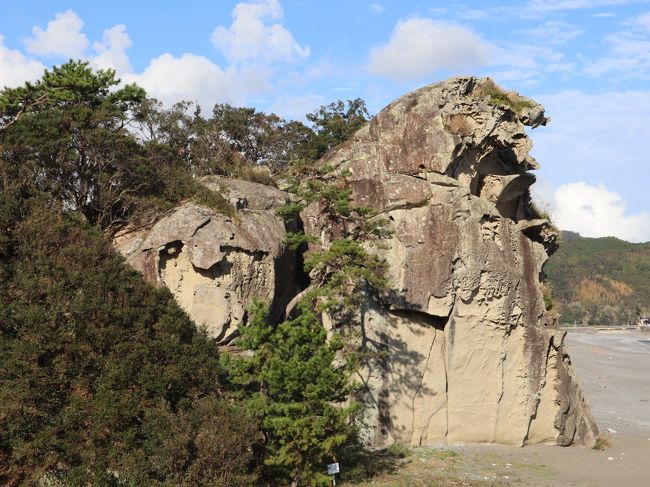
x,y
468,351
216,265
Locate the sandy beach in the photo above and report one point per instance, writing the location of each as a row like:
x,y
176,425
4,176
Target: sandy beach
x,y
614,369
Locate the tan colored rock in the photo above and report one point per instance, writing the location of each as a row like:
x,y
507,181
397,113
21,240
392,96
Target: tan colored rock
x,y
246,194
215,265
468,353
460,346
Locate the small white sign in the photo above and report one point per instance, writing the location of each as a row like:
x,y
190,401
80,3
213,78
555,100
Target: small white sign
x,y
333,468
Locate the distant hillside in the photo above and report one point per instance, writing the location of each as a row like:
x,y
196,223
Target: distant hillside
x,y
599,280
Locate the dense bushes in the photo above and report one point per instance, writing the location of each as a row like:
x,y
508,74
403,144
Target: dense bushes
x,y
104,380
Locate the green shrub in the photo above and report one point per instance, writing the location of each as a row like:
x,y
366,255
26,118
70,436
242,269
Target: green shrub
x,y
103,377
601,443
293,386
399,451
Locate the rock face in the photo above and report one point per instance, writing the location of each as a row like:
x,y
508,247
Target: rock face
x,y
215,265
468,351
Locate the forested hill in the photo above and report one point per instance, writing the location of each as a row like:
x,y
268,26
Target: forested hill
x,y
599,280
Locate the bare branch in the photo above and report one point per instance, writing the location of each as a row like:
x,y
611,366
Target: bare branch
x,y
26,104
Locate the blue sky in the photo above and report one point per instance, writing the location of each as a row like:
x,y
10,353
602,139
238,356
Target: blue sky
x,y
587,61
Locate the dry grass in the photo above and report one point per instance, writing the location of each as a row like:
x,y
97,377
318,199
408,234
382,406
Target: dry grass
x,y
620,287
602,289
446,468
259,175
500,97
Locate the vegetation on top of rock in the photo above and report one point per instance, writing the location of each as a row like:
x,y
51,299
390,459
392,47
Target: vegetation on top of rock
x,y
599,281
231,142
334,124
339,266
499,97
236,141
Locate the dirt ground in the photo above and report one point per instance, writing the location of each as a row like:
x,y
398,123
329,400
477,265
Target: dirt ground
x,y
614,369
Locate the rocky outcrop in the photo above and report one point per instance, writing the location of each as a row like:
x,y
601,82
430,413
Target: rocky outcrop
x,y
216,265
467,351
461,348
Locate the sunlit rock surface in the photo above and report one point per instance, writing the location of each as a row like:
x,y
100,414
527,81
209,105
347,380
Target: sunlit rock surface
x,y
462,348
468,352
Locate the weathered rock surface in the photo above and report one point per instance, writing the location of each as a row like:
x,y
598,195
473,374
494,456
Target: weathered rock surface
x,y
216,265
469,353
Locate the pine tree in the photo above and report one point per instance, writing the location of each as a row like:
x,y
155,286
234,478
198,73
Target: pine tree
x,y
298,389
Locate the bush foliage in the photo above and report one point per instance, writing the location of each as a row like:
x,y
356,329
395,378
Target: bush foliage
x,y
293,386
104,380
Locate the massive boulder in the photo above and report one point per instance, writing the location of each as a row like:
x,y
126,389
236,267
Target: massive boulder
x,y
460,346
465,349
216,265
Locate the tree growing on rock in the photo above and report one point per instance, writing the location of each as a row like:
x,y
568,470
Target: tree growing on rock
x,y
335,123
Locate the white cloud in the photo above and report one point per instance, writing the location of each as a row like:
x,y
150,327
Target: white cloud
x,y
196,78
376,8
597,137
253,41
556,32
321,69
250,38
111,51
61,37
467,13
594,211
527,64
438,11
15,68
419,47
555,5
628,57
643,20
